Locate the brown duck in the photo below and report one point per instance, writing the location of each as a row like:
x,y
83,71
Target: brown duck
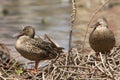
x,y
35,49
101,38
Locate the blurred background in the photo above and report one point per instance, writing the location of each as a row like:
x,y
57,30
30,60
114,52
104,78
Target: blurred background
x,y
53,17
46,16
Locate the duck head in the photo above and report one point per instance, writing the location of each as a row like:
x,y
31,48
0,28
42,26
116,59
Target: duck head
x,y
27,31
102,21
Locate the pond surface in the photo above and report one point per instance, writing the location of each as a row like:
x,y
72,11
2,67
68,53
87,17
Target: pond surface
x,y
46,16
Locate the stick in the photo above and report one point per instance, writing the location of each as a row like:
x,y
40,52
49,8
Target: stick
x,y
73,21
70,34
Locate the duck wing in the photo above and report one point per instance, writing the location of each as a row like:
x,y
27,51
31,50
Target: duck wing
x,y
47,47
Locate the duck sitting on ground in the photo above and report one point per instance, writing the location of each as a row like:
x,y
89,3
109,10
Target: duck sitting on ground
x,y
35,49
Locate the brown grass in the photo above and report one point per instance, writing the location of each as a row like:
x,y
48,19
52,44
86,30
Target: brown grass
x,y
80,67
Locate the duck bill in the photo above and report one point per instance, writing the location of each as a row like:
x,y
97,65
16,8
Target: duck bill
x,y
17,35
95,25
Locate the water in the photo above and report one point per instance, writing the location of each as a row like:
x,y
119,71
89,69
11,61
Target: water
x,y
46,16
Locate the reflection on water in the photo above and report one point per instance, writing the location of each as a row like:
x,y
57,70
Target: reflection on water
x,y
47,16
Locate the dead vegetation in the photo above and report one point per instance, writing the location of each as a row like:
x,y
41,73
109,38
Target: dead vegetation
x,y
80,66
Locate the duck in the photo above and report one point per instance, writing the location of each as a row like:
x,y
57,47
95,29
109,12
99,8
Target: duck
x,y
35,49
101,38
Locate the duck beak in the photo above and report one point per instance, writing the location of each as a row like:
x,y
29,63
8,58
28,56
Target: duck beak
x,y
95,25
17,35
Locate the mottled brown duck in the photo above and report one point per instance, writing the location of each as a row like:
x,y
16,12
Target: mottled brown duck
x,y
101,38
35,49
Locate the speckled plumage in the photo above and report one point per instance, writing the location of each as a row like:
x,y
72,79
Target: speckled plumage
x,y
101,38
35,48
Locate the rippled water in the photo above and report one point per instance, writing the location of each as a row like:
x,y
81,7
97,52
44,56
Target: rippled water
x,y
46,16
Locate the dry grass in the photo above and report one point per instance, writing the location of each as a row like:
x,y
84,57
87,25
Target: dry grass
x,y
79,67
